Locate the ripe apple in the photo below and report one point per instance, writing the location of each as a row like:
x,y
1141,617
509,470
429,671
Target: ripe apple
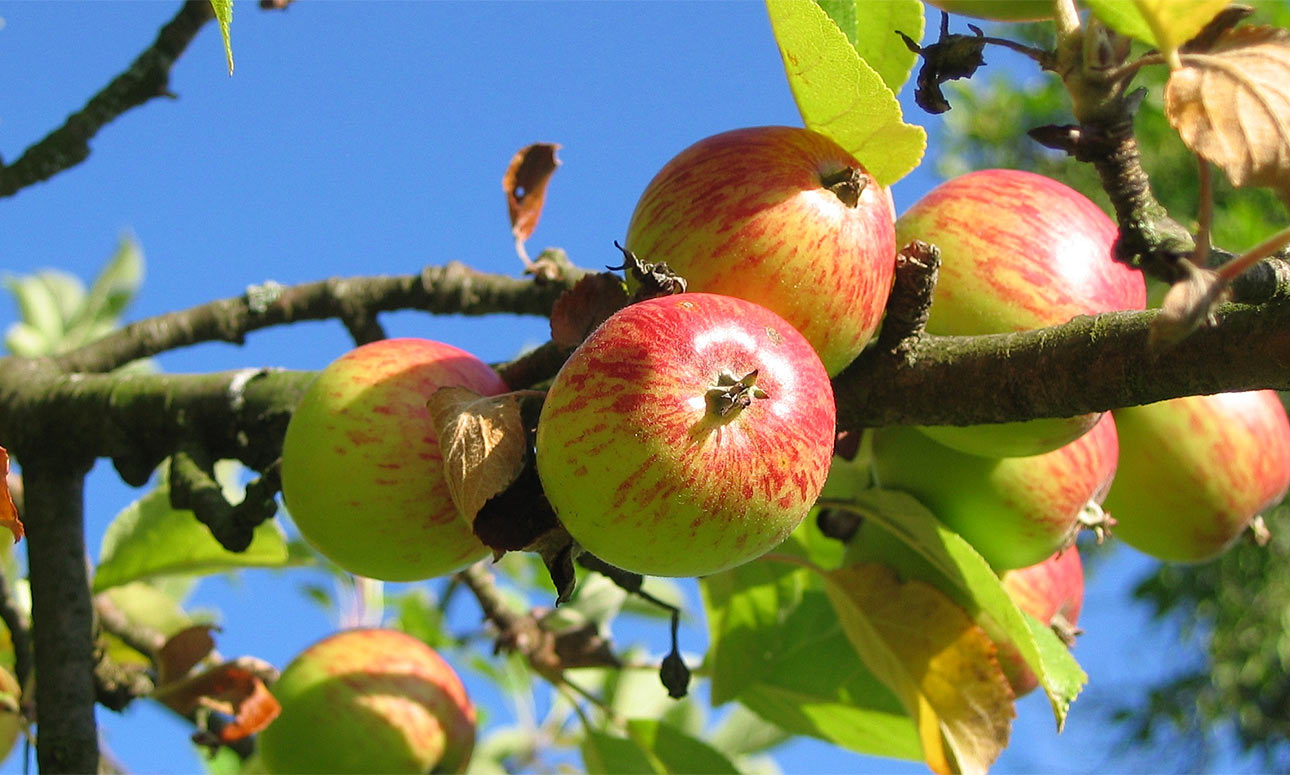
x,y
362,473
1018,251
781,216
1196,470
369,700
1014,511
999,10
1052,591
686,435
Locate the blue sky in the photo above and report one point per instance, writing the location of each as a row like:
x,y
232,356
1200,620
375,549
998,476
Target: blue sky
x,y
366,138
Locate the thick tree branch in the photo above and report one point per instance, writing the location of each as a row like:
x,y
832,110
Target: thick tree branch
x,y
451,289
62,615
146,78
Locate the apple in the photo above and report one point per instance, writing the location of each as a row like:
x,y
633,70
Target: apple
x,y
1014,511
369,700
999,10
362,473
781,216
12,722
686,435
1196,470
1052,591
1019,251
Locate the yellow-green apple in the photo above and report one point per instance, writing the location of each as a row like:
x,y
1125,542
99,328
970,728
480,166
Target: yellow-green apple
x,y
1014,511
999,10
686,435
781,216
362,473
369,700
1052,591
12,721
1018,251
1195,470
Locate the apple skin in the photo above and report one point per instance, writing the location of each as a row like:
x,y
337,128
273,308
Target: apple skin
x,y
362,474
1019,251
1014,511
745,213
646,476
1047,590
12,722
999,10
369,700
1196,470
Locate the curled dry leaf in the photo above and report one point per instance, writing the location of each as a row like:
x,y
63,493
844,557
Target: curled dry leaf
x,y
483,444
8,511
1231,105
585,306
237,688
182,651
525,183
1188,305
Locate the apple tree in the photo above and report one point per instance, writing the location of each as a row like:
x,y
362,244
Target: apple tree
x,y
874,488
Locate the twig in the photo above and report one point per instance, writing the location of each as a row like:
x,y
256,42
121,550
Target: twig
x,y
147,77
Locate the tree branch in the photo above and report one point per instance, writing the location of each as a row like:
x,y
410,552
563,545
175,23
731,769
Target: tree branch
x,y
146,78
451,289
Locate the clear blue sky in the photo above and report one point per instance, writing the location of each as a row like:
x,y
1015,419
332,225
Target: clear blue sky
x,y
363,138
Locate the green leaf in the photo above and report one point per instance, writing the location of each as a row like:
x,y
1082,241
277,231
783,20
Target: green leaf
x,y
224,15
114,288
902,534
1124,18
652,748
778,648
1174,22
25,340
839,95
743,732
870,29
37,307
150,538
605,753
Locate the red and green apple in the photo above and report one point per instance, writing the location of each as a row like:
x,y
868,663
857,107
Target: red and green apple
x,y
362,473
369,700
686,435
781,216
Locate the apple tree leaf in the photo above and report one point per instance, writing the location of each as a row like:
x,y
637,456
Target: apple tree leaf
x,y
841,96
1231,105
151,538
237,688
903,535
1174,22
582,308
525,184
932,656
224,15
778,648
868,27
8,511
1124,18
483,444
183,651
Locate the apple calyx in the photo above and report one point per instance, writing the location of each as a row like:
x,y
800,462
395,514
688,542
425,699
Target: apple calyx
x,y
847,184
732,394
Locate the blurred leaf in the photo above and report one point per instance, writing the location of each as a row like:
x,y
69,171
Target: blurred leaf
x,y
1231,106
67,289
868,27
112,291
8,511
150,537
839,95
1124,18
743,732
182,652
931,654
652,747
224,15
778,648
26,341
37,307
417,613
1174,22
917,546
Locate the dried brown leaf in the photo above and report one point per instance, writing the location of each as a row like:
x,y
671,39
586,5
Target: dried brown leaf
x,y
8,511
525,183
482,441
237,688
1188,304
182,651
1231,105
585,306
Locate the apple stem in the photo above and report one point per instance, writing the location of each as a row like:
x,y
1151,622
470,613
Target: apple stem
x,y
846,184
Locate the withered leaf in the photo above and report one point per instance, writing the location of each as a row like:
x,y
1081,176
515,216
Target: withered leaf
x,y
483,442
513,519
8,511
1231,106
1188,304
236,688
585,306
182,651
525,184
